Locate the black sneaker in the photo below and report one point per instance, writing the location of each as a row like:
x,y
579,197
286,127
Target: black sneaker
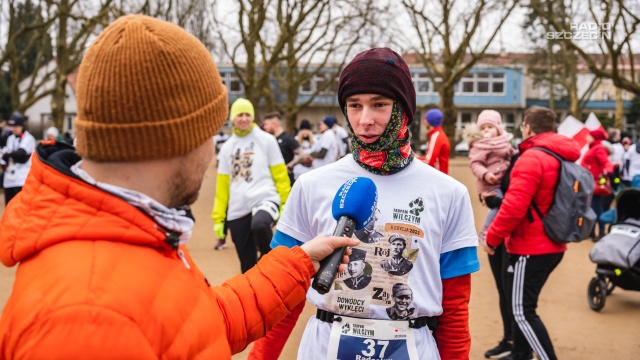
x,y
501,351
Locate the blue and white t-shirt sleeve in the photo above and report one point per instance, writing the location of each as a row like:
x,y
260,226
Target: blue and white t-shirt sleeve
x,y
293,227
459,254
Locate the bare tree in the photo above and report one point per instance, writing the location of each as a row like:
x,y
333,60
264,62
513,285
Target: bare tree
x,y
193,15
294,42
27,52
451,39
555,63
617,22
77,22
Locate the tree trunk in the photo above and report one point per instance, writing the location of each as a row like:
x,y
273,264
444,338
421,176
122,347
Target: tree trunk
x,y
574,108
619,116
448,109
58,100
58,97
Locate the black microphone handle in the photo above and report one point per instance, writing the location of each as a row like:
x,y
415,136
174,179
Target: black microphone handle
x,y
329,266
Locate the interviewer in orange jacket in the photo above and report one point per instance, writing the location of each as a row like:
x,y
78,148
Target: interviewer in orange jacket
x,y
99,233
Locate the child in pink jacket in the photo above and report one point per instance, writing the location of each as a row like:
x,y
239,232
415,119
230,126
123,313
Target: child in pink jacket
x,y
490,157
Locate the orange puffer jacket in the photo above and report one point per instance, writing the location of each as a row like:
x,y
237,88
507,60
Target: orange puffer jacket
x,y
97,279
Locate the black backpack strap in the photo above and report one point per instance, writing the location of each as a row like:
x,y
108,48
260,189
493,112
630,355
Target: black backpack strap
x,y
536,209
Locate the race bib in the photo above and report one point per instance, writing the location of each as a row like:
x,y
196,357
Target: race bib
x,y
368,339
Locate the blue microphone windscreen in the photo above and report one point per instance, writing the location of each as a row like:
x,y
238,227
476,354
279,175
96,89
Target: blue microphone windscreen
x,y
358,199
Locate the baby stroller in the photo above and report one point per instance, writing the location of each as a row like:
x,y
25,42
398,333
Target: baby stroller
x,y
617,255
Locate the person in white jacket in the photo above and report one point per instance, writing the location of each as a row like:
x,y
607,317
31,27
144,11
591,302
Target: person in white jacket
x,y
16,155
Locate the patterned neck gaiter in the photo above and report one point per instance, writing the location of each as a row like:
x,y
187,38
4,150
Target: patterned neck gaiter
x,y
391,152
242,133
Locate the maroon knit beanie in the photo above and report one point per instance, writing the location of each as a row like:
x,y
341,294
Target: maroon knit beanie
x,y
378,71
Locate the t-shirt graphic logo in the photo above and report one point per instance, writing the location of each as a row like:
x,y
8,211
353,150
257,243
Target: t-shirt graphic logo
x,y
241,166
346,328
417,206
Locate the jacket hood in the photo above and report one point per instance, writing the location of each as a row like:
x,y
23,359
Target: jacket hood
x,y
56,206
565,147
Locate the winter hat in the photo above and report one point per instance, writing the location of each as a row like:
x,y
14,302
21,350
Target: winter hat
x,y
16,119
598,134
434,117
378,71
241,106
490,117
305,125
329,121
147,89
53,131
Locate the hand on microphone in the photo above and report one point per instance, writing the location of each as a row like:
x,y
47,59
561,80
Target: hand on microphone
x,y
322,246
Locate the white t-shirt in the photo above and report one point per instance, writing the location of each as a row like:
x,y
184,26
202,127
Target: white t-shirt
x,y
342,134
618,153
330,141
247,160
431,210
634,163
16,174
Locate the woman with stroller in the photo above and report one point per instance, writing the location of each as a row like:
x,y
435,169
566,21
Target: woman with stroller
x,y
596,160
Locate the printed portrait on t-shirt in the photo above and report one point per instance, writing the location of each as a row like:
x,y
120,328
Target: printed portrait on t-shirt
x,y
402,296
241,163
397,264
370,234
358,278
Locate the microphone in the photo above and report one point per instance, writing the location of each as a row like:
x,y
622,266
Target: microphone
x,y
353,207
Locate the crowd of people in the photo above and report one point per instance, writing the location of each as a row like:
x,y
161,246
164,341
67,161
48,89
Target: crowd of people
x,y
119,203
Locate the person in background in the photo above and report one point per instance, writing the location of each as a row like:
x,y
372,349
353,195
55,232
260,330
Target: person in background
x,y
251,188
99,234
491,152
439,148
16,155
53,134
327,149
596,160
344,138
532,254
305,138
289,147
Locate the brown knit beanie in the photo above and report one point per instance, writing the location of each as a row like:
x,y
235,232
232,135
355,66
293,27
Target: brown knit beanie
x,y
147,90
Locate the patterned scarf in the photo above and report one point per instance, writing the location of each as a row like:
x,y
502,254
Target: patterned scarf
x,y
391,152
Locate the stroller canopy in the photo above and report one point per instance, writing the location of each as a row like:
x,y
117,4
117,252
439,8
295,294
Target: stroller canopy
x,y
628,205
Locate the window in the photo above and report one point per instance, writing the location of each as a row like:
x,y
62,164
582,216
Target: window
x,y
422,83
316,84
483,83
465,118
223,77
306,88
605,96
467,84
624,96
235,86
510,121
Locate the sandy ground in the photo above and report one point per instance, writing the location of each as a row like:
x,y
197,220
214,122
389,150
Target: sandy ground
x,y
577,331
